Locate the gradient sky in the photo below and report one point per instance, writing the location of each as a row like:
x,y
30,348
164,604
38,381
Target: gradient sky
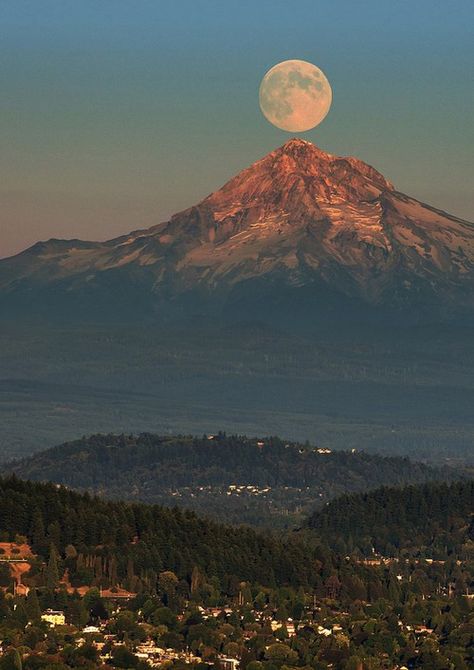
x,y
115,114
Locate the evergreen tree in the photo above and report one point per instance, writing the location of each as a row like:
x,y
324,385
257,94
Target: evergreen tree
x,y
52,571
32,606
37,532
11,660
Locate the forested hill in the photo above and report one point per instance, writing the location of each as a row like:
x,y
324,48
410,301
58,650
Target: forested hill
x,y
433,520
259,481
109,543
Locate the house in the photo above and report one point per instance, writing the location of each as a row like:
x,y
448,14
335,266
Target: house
x,y
228,663
54,617
423,630
91,629
289,625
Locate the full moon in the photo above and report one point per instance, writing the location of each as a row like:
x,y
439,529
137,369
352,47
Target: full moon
x,y
295,95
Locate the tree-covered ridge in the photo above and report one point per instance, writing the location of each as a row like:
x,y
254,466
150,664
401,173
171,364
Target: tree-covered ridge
x,y
115,542
434,519
204,474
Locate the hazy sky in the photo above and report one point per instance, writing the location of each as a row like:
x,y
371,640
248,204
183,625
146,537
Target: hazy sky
x,y
115,114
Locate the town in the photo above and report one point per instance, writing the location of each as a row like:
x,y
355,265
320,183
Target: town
x,y
184,625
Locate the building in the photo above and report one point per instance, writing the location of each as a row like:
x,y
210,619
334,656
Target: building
x,y
91,629
228,663
54,618
289,626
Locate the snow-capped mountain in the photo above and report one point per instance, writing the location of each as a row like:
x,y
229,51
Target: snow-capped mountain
x,y
298,222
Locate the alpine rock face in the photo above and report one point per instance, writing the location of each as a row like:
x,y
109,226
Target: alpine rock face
x,y
298,226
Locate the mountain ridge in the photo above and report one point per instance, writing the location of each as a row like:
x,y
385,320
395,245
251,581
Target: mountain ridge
x,y
263,481
299,221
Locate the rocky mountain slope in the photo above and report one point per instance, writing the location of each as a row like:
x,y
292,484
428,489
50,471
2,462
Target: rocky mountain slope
x,y
299,225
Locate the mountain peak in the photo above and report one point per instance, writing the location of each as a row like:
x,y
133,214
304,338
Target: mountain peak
x,y
297,146
298,217
305,157
298,175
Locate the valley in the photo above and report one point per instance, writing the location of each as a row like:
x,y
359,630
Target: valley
x,y
379,389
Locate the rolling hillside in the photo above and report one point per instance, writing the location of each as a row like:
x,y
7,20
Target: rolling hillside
x,y
260,481
435,520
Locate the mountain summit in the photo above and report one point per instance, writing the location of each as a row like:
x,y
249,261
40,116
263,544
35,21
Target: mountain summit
x,y
298,226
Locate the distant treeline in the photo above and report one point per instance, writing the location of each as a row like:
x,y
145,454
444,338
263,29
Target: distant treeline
x,y
153,468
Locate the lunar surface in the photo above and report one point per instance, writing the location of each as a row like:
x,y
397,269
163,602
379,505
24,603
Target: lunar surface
x,y
295,95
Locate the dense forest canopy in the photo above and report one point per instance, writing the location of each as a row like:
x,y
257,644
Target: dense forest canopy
x,y
264,481
436,519
106,543
141,540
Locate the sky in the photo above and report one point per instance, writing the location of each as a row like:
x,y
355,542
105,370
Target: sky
x,y
115,114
